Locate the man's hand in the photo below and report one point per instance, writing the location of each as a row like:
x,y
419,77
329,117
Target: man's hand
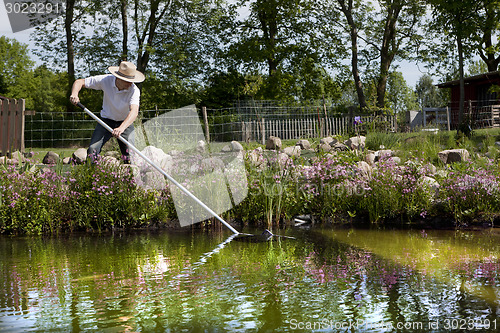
x,y
74,99
117,132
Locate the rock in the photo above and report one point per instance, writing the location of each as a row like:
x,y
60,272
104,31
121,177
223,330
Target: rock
x,y
370,158
340,147
67,160
226,149
201,146
304,144
256,159
365,168
236,146
50,158
3,159
356,142
324,147
156,155
292,151
396,159
18,156
113,153
453,155
110,160
80,156
283,160
328,140
381,153
155,180
273,143
431,183
430,168
212,164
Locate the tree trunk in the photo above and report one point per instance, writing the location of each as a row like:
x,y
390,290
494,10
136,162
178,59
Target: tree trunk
x,y
124,55
462,85
70,51
353,30
387,52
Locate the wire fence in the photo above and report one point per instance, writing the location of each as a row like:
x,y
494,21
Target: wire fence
x,y
249,123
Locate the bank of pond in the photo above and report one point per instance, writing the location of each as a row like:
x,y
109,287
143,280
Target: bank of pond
x,y
332,183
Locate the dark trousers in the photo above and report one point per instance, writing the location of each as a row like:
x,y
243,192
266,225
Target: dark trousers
x,y
102,135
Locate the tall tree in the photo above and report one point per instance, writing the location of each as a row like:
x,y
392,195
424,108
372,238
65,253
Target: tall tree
x,y
456,18
272,38
488,36
350,8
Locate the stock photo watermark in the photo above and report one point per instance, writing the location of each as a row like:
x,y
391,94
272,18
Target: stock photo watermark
x,y
470,324
26,14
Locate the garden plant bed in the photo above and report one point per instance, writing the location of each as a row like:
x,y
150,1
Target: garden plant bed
x,y
336,181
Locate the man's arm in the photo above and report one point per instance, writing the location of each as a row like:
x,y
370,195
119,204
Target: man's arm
x,y
132,115
77,86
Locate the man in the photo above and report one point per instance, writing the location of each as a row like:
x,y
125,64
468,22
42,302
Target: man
x,y
120,105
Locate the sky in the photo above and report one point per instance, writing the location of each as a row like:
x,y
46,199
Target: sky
x,y
410,71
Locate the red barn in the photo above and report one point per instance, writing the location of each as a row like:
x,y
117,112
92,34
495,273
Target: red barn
x,y
482,105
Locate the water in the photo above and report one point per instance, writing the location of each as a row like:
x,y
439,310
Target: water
x,y
325,280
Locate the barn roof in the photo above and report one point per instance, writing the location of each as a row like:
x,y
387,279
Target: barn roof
x,y
486,77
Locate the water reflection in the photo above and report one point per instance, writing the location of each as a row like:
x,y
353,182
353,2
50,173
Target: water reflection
x,y
342,280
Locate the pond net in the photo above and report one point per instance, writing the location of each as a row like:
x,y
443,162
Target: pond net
x,y
214,173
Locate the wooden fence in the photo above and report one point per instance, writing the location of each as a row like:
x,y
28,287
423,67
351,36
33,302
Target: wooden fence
x,y
306,126
11,126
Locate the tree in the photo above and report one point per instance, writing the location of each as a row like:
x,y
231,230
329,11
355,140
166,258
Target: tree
x,y
272,39
456,18
350,8
15,68
487,38
400,96
428,95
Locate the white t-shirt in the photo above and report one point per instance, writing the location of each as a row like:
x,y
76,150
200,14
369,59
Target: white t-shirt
x,y
115,103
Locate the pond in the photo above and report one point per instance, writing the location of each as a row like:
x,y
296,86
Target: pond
x,y
348,280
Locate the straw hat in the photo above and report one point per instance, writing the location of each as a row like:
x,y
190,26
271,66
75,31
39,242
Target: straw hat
x,y
127,72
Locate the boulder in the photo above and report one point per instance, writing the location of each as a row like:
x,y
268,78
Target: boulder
x,y
339,147
80,156
292,151
236,146
324,147
111,160
255,158
356,142
212,164
50,158
113,153
156,155
18,157
201,146
304,144
370,158
273,143
431,183
453,155
365,169
67,160
328,140
381,153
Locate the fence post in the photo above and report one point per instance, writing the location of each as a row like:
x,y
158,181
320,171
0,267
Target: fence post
x,y
19,125
448,118
4,126
263,130
205,120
